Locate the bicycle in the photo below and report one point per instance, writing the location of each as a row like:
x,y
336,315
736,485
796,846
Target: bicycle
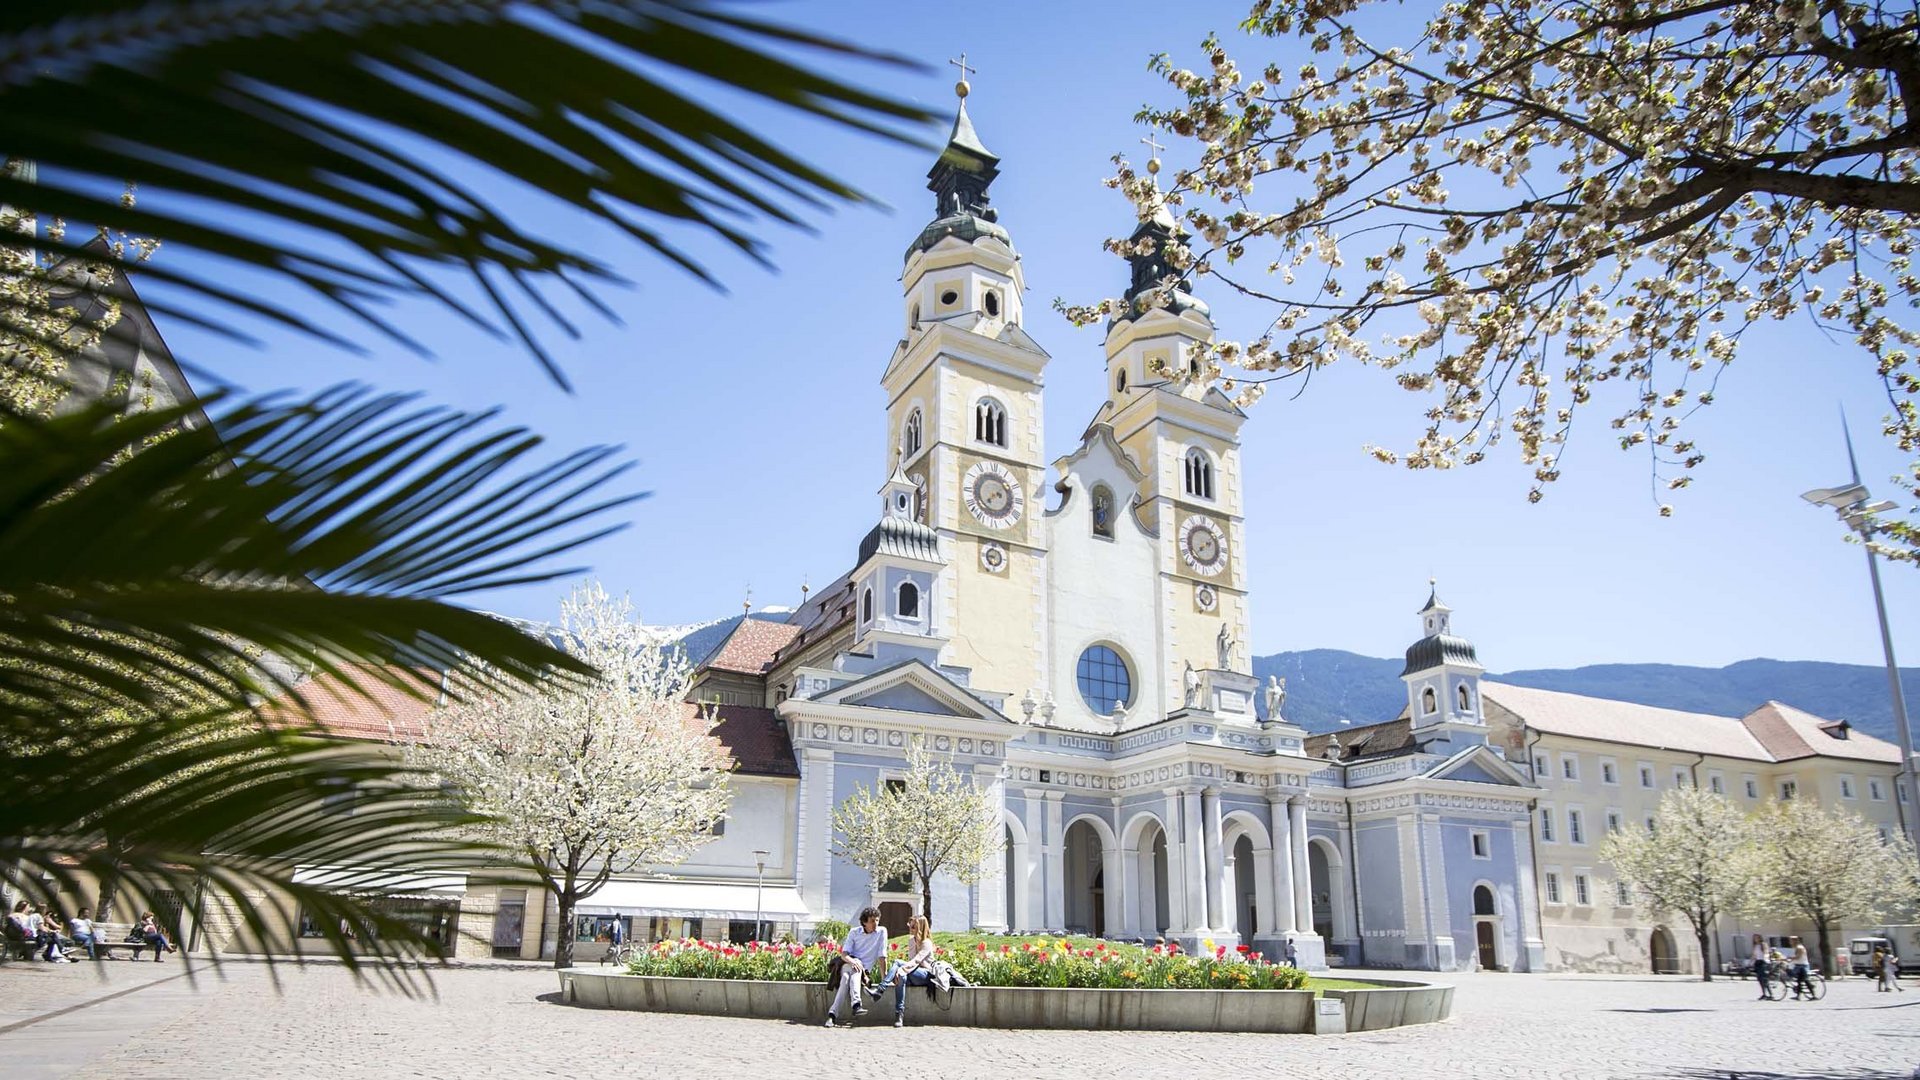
x,y
618,955
1780,981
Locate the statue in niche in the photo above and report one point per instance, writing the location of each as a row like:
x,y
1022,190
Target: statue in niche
x,y
1276,696
1225,645
1102,512
1192,681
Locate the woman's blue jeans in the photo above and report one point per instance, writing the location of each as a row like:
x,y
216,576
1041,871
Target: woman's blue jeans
x,y
916,977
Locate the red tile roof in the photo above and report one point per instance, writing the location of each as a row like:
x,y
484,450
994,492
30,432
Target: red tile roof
x,y
751,647
1790,733
756,739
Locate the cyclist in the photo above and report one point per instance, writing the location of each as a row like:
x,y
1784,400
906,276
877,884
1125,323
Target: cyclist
x,y
1801,967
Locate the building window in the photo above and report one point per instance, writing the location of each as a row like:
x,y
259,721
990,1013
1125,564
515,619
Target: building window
x,y
1105,682
1120,381
1553,887
1613,821
866,605
1680,778
1646,776
1609,774
1429,701
910,435
1581,893
949,298
1199,474
913,317
1753,788
1576,833
718,828
1622,895
991,301
1846,787
1102,511
1465,697
1886,835
1570,766
1788,789
1546,825
909,605
1874,791
1482,844
1715,784
1900,790
1651,826
990,422
1540,767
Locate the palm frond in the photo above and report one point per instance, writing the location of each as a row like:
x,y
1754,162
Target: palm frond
x,y
142,559
349,128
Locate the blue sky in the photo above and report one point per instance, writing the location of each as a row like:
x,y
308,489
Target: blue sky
x,y
756,415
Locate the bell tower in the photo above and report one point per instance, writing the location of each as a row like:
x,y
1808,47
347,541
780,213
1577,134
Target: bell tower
x,y
965,417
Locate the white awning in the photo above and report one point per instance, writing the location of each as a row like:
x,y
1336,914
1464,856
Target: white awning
x,y
695,899
383,881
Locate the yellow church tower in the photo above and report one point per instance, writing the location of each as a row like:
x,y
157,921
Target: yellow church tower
x,y
965,420
1185,435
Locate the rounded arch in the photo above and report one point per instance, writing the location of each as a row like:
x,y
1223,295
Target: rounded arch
x,y
1120,381
1465,697
1137,829
1237,823
1145,905
1108,839
990,421
1429,702
1252,907
1483,889
912,432
907,601
1017,872
1330,900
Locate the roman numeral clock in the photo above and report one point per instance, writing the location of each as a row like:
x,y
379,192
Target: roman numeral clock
x,y
993,495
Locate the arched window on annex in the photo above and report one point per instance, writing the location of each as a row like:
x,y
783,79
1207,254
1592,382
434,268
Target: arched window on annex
x,y
1429,701
866,606
910,435
1198,472
1465,697
990,422
907,605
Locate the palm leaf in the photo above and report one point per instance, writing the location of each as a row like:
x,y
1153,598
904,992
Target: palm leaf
x,y
333,141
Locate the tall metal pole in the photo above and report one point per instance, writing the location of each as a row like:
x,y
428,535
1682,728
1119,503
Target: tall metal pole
x,y
759,890
1908,797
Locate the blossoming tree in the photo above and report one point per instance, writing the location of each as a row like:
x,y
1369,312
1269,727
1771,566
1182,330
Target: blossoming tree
x,y
932,820
1521,208
589,777
1694,862
1830,867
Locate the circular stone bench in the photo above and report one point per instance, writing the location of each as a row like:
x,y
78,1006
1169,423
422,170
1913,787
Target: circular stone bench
x,y
1273,1011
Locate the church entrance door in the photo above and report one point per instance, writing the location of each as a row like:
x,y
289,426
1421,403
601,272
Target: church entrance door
x,y
1483,932
894,915
1664,960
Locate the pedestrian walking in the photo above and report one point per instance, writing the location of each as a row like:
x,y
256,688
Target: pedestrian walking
x,y
1760,964
1890,972
1802,968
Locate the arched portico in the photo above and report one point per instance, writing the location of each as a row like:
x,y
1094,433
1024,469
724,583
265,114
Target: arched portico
x,y
1250,847
1329,889
1146,909
1091,877
1018,872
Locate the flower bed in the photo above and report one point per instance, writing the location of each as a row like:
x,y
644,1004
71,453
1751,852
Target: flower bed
x,y
1061,965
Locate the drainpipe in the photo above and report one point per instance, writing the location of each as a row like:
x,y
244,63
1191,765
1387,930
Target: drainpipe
x,y
1353,880
1533,846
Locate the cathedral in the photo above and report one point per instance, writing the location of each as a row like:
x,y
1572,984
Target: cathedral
x,y
1073,634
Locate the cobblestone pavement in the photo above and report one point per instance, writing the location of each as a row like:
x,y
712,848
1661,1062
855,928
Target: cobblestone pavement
x,y
509,1023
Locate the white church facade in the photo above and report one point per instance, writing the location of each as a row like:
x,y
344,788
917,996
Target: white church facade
x,y
1075,640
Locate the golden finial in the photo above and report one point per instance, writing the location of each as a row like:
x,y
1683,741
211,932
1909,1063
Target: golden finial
x,y
1153,163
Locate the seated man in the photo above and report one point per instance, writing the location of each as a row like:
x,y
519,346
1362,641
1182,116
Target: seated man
x,y
864,949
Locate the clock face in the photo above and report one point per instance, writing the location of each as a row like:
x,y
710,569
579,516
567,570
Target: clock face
x,y
993,558
993,495
1205,599
1203,546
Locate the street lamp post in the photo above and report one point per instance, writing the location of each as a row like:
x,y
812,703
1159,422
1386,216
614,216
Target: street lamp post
x,y
1852,503
759,888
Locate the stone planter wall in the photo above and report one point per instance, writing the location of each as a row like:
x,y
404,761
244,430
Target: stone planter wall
x,y
1282,1011
1394,1006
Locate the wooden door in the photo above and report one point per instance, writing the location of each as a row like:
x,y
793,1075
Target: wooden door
x,y
1489,959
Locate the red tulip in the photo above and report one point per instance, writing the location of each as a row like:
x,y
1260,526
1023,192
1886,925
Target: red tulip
x,y
981,947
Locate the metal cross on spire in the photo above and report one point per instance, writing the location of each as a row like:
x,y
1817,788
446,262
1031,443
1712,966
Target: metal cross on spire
x,y
960,88
1153,146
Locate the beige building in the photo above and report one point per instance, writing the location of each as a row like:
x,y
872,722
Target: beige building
x,y
1604,765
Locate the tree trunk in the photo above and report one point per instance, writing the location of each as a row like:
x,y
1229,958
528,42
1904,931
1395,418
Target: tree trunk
x,y
926,899
1820,930
1706,955
563,938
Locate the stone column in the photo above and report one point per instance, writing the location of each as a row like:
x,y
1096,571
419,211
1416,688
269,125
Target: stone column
x,y
1284,918
1176,865
992,891
1194,869
813,827
1215,858
1034,816
1533,945
1302,876
1056,849
1132,923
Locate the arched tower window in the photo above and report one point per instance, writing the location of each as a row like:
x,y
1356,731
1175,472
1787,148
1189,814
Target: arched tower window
x,y
909,605
1199,474
991,302
1429,701
1466,698
1103,511
866,606
910,435
990,422
913,317
1120,381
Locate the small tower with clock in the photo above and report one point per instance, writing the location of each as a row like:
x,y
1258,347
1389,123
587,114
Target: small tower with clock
x,y
896,582
964,417
1185,434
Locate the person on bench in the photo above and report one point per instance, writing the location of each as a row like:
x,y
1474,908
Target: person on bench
x,y
80,929
150,932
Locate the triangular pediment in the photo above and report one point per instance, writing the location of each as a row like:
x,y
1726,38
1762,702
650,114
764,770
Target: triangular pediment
x,y
912,687
1479,765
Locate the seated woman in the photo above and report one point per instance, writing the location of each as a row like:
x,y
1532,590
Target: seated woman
x,y
150,932
915,970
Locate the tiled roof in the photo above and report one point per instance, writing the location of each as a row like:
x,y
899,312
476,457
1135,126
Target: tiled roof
x,y
756,739
375,712
1789,733
751,647
1624,722
1373,740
